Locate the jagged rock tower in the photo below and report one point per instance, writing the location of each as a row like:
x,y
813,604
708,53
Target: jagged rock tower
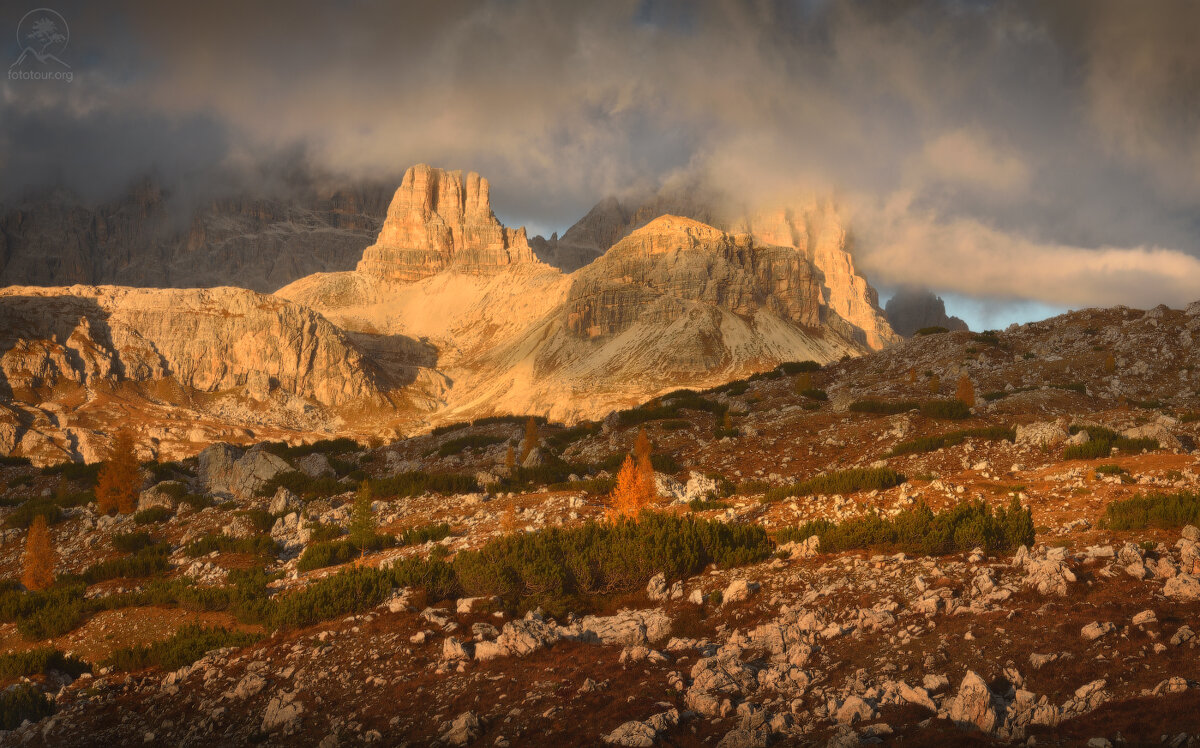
x,y
438,221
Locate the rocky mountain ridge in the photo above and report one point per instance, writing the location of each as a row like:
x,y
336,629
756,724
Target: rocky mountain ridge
x,y
448,316
149,237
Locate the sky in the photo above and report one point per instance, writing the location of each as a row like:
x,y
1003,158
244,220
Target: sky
x,y
1018,158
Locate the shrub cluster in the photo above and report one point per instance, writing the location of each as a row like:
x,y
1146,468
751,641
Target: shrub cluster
x,y
602,558
791,368
538,568
132,542
948,409
184,647
148,561
22,517
813,393
1154,510
884,407
933,443
423,534
153,515
304,486
920,531
1101,442
334,552
474,441
24,701
841,481
40,660
324,446
415,483
259,545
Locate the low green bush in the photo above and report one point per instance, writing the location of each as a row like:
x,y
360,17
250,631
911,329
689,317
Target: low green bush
x,y
1111,470
931,330
884,407
423,534
148,561
814,394
184,647
261,545
415,483
920,531
24,701
131,542
22,517
567,437
319,532
326,447
474,441
262,520
704,505
841,481
1101,442
1001,394
791,368
153,515
12,461
947,409
304,486
545,566
1154,510
933,443
76,471
38,661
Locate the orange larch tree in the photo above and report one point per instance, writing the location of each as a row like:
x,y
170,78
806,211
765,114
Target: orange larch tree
x,y
645,467
966,391
120,479
40,556
629,496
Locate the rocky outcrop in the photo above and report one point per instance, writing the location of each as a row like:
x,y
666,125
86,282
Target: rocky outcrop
x,y
207,340
912,309
663,270
814,230
437,221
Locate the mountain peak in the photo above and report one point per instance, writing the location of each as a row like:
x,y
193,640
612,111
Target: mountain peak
x,y
668,232
440,220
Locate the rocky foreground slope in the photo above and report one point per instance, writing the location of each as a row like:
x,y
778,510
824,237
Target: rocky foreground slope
x,y
1084,635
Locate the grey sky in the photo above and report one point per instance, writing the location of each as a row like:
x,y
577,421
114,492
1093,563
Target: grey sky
x,y
1003,152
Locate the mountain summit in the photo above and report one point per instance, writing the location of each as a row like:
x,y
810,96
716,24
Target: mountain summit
x,y
438,220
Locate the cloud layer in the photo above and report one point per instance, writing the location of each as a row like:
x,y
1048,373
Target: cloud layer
x,y
1045,151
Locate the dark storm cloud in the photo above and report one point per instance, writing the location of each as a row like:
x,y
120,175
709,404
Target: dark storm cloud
x,y
1041,150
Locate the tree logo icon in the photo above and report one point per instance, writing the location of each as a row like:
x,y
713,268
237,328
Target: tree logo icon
x,y
42,35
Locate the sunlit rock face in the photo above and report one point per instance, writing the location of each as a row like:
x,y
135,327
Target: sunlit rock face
x,y
437,221
813,229
664,269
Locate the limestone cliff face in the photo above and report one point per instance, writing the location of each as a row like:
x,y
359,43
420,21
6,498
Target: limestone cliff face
x,y
207,340
147,237
659,272
439,221
814,229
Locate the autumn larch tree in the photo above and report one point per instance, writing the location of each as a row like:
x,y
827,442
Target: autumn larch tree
x,y
935,384
120,479
645,467
629,495
531,438
40,556
362,520
966,391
